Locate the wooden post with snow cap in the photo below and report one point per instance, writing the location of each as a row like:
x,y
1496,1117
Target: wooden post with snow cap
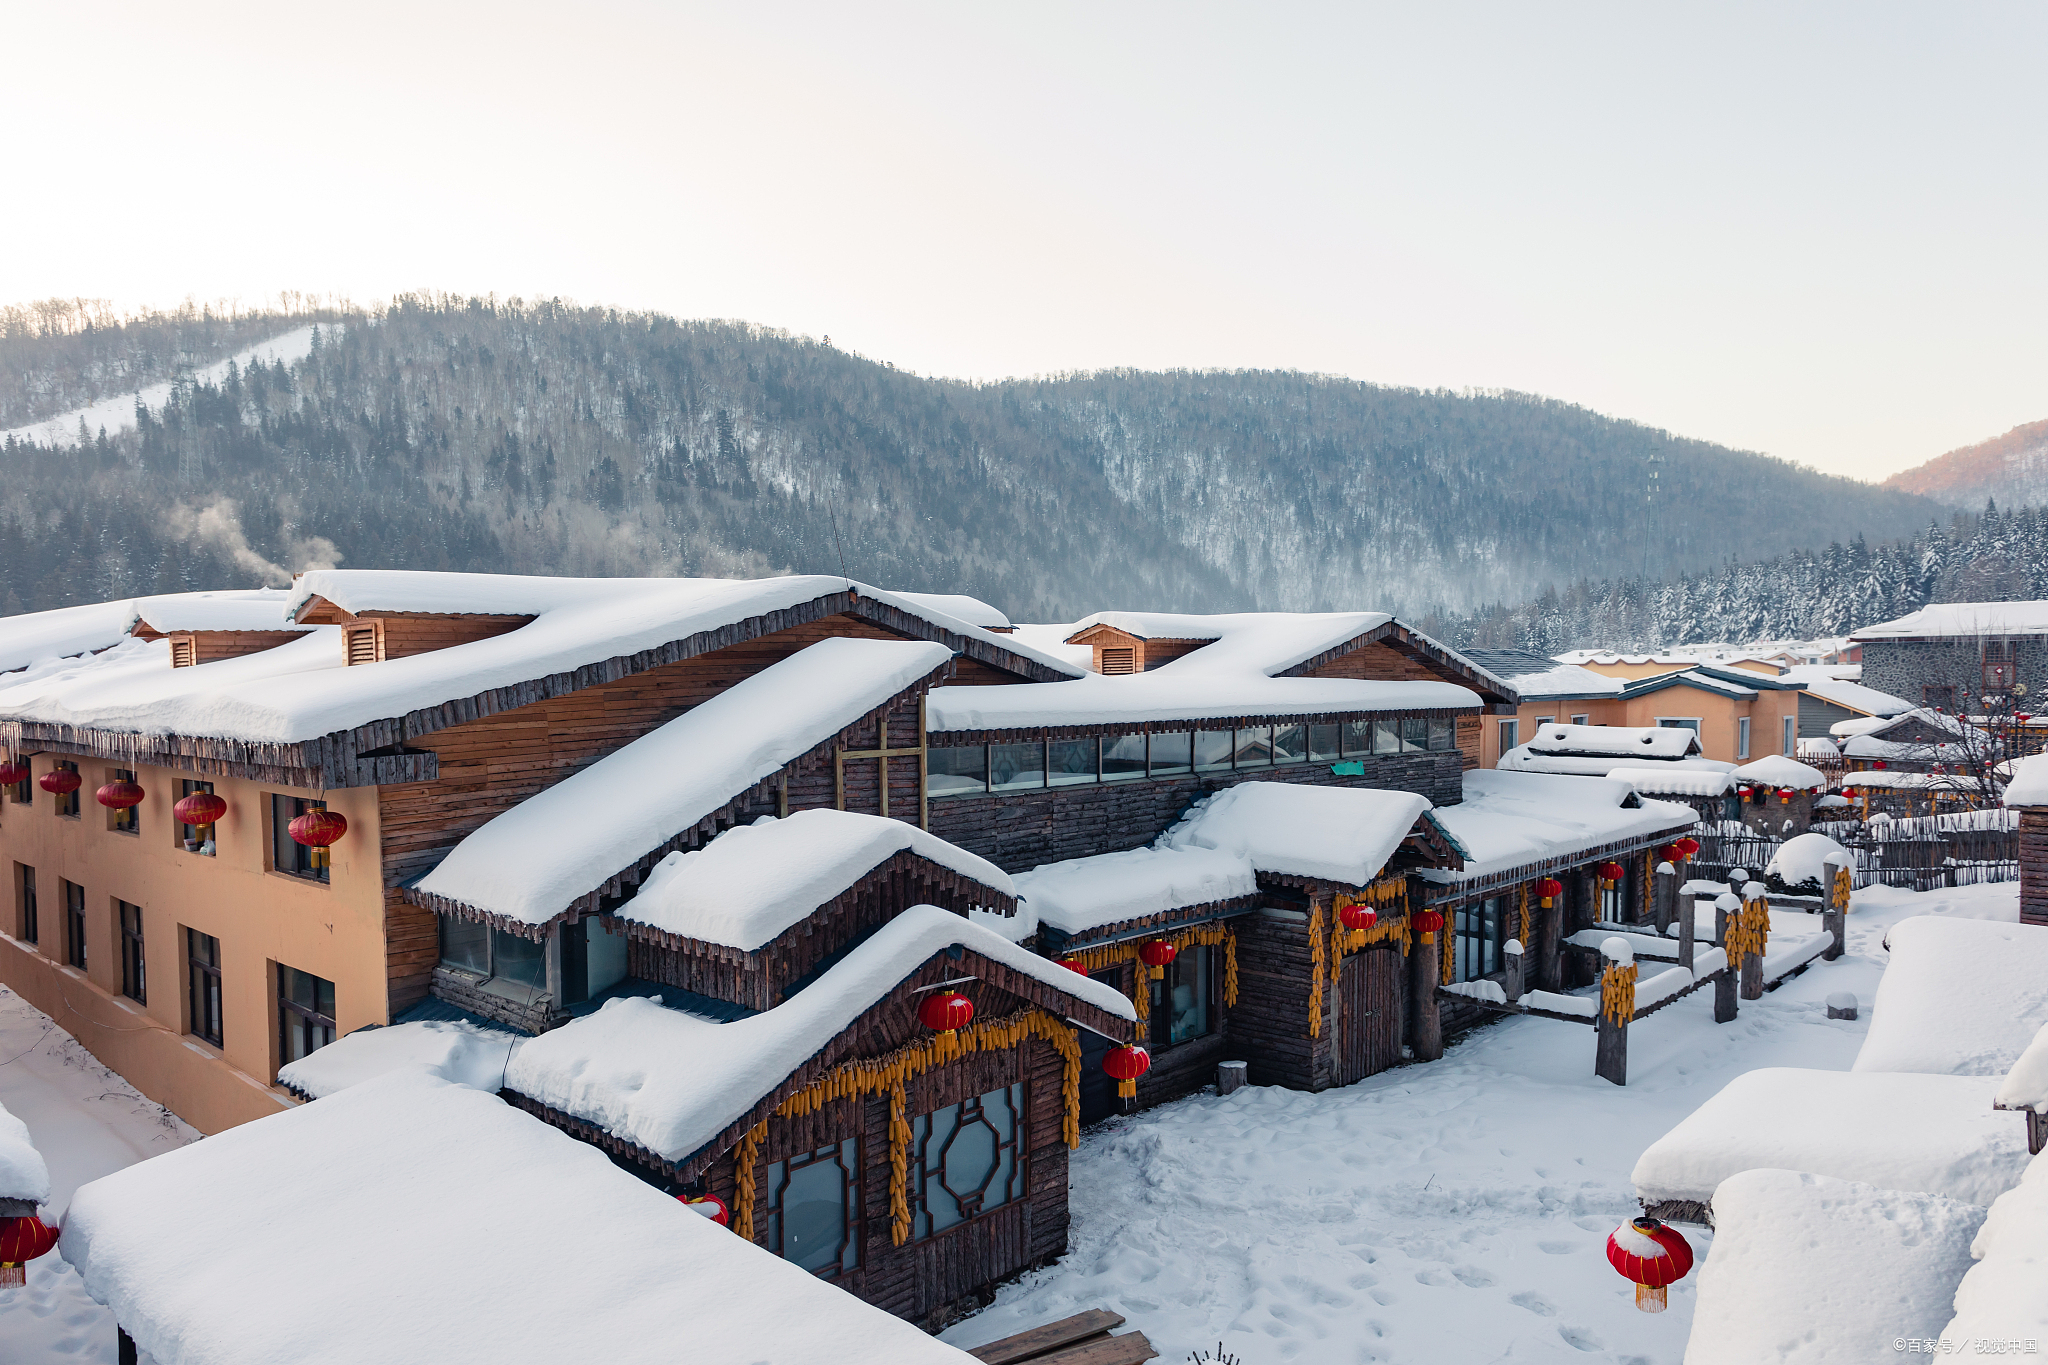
x,y
1724,984
1423,969
1549,934
1512,985
1835,919
1664,895
1756,933
1617,1007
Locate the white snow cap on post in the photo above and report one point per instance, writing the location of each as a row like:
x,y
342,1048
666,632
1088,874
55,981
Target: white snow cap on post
x,y
23,1175
1726,901
1513,947
2024,1087
1617,951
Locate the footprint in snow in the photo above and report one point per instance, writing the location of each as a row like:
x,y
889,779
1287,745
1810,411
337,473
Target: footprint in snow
x,y
1535,1303
1471,1276
1582,1339
1558,1248
1385,1298
1432,1276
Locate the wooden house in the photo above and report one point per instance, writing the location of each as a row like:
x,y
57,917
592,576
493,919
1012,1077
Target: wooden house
x,y
1551,693
205,627
2028,794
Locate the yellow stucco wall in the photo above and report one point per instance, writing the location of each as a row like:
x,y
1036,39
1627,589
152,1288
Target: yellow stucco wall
x,y
262,918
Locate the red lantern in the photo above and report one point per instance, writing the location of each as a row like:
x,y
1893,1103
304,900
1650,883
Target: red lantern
x,y
200,809
1650,1255
1156,955
1357,919
709,1205
1880,765
946,1012
1688,846
1426,923
1550,888
1744,792
1125,1065
21,1241
13,771
1612,873
120,795
59,781
316,829
1074,964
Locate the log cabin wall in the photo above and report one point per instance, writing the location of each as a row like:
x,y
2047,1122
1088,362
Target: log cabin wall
x,y
817,788
401,634
205,646
2034,865
1183,1068
1020,830
1269,1028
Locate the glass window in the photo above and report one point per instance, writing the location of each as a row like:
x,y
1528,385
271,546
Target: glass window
x,y
1070,762
1357,738
964,1160
1323,743
1290,744
1171,753
134,984
74,925
1122,756
1016,767
203,952
1614,902
127,820
286,853
1255,747
1677,723
1742,736
67,802
1386,737
1582,720
305,1013
811,1208
195,838
31,931
1443,735
1180,1002
1480,932
1415,735
466,944
1791,744
1212,750
519,966
1510,734
957,770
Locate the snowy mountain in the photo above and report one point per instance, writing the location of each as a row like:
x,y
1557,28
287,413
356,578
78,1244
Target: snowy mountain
x,y
453,433
2012,469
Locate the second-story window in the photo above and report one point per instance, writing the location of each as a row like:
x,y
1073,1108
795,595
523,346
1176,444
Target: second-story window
x,y
195,838
126,819
74,925
286,853
134,980
203,988
305,1013
31,931
67,802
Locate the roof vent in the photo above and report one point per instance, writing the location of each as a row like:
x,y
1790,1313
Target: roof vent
x,y
1118,661
1649,739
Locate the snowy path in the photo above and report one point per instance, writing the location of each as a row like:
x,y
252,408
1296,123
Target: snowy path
x,y
1450,1212
86,1121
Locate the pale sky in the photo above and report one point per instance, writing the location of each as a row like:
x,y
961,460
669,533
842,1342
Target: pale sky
x,y
1816,231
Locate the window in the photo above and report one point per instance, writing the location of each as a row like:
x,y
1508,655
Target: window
x,y
67,802
1172,753
1691,723
287,854
1742,736
1254,747
202,952
1614,902
1357,738
1479,930
965,1161
1415,735
1386,737
1542,721
1791,747
1998,665
1938,698
1123,756
1582,720
811,1208
511,966
1071,762
954,772
134,983
127,820
74,925
1290,744
1121,659
361,645
1016,767
1510,734
191,835
182,653
1212,750
25,879
1323,743
1443,735
1180,1001
305,1014
23,791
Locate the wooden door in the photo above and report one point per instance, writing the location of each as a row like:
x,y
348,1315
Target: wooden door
x,y
1369,1011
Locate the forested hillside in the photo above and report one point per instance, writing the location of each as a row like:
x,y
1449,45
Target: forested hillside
x,y
543,438
2012,468
1994,557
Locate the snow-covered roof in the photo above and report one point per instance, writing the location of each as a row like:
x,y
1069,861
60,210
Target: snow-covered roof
x,y
1826,1272
1813,673
748,885
530,863
1959,996
66,631
1776,770
1862,725
1857,697
1084,894
1691,677
244,609
2029,785
1904,1131
1891,779
1510,820
452,1049
670,1082
1630,743
1904,750
2026,1085
23,1175
1566,680
1523,759
1963,618
1701,778
2000,1297
1338,834
1608,656
1052,640
959,606
452,1228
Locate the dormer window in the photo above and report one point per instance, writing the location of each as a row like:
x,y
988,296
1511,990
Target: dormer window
x,y
362,645
1119,660
183,652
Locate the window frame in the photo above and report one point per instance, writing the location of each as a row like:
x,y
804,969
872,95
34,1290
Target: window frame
x,y
66,803
127,820
496,982
982,790
26,905
284,808
1478,934
775,1179
305,1018
134,961
920,1172
1791,728
1742,736
75,940
184,836
1582,720
1510,733
1692,723
200,973
1193,966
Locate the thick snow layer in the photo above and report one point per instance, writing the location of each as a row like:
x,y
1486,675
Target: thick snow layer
x,y
1627,742
1804,857
452,1228
529,863
1963,618
2026,1085
670,1082
1511,819
1810,1269
1776,770
1339,834
749,884
1962,996
1583,1005
1088,893
579,622
1565,680
1894,780
2029,784
2002,1296
117,413
247,609
1862,725
23,1174
1905,750
1052,640
960,607
1936,1134
1857,697
1264,642
61,633
1673,779
451,1049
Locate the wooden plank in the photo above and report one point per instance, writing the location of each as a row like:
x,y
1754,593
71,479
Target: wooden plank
x,y
1047,1337
1129,1349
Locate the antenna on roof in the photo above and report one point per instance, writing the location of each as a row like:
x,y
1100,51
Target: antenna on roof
x,y
829,508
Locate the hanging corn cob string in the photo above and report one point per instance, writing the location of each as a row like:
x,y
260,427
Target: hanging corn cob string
x,y
1445,963
1317,957
750,1148
1201,936
1522,936
1618,992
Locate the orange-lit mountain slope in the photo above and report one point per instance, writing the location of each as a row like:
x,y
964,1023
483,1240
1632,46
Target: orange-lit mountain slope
x,y
2012,468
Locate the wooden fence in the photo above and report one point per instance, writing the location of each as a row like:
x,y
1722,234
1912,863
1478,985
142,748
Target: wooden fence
x,y
1920,853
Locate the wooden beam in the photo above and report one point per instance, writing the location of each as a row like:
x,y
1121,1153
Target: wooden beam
x,y
1047,1337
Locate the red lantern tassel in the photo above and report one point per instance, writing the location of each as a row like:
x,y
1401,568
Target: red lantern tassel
x,y
12,1272
1127,1090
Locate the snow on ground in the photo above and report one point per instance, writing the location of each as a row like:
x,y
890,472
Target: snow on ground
x,y
87,1122
1456,1211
